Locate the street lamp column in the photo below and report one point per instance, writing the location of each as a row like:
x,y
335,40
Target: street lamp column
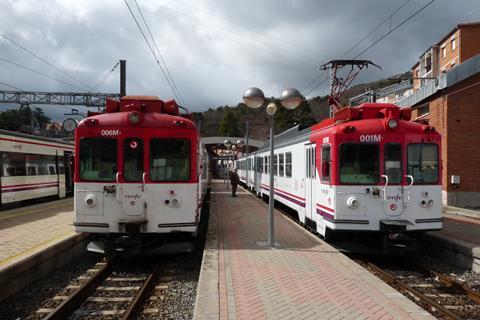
x,y
254,98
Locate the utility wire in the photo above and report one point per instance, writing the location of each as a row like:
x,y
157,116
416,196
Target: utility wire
x,y
161,56
378,40
44,61
9,85
151,49
40,73
102,80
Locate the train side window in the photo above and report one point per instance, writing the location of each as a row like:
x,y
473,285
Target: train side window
x,y
288,164
275,165
61,167
281,164
326,163
98,159
170,159
393,162
314,164
307,163
133,159
260,162
14,164
423,163
265,163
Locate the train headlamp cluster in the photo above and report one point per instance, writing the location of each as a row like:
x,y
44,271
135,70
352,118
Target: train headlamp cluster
x,y
91,201
426,203
353,203
392,123
134,117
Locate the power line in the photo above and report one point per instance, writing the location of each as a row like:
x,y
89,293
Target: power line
x,y
102,80
150,47
378,40
40,73
160,54
9,85
43,60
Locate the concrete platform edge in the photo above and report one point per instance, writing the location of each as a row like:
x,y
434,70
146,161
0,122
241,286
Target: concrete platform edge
x,y
207,300
17,276
454,251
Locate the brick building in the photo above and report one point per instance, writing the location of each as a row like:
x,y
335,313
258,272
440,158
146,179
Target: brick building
x,y
446,92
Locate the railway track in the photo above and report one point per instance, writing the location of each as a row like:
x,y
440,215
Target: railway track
x,y
108,292
442,296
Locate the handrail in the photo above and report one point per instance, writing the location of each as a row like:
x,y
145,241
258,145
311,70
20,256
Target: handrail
x,y
385,187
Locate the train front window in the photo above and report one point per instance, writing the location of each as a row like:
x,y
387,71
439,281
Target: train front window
x,y
133,159
170,160
98,159
423,163
359,163
393,162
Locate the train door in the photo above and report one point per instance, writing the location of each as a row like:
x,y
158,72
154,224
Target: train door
x,y
68,168
258,174
310,173
60,175
133,190
393,190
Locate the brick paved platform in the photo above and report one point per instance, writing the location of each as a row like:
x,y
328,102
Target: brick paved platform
x,y
304,278
26,230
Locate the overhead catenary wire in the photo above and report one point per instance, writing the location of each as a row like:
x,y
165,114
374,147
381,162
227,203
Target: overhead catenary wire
x,y
11,86
101,81
151,49
40,73
175,88
44,61
375,42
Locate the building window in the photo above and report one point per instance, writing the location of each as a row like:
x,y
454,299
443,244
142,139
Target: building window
x,y
428,63
444,52
452,41
423,110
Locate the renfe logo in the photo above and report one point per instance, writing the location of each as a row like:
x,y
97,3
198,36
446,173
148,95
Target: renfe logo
x,y
110,132
370,138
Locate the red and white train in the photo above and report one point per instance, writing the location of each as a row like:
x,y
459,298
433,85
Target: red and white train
x,y
140,175
33,167
367,169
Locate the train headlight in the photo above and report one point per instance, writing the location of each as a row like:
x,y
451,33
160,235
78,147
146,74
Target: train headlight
x,y
134,117
392,123
353,203
91,201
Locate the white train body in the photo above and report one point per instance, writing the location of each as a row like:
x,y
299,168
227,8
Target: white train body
x,y
139,180
334,174
33,167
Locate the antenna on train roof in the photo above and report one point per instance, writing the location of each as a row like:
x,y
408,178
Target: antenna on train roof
x,y
339,85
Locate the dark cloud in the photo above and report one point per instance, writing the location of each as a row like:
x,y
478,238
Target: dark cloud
x,y
215,49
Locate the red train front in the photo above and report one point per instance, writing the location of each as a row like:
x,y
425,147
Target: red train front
x,y
138,175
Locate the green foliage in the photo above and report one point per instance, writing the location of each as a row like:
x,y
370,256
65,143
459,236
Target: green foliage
x,y
286,119
16,119
229,127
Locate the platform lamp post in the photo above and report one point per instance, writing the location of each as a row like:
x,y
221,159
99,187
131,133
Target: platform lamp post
x,y
254,98
227,143
231,148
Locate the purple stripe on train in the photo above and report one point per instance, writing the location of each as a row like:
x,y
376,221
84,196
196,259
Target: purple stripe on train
x,y
297,202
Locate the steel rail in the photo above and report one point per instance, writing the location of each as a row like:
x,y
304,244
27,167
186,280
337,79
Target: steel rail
x,y
141,294
390,278
451,283
78,297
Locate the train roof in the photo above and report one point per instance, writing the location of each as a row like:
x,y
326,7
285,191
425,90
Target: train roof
x,y
40,138
150,112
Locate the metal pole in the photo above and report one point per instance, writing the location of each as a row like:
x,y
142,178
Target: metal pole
x,y
123,77
271,223
246,139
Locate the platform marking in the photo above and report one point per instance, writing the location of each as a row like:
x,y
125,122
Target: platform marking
x,y
6,260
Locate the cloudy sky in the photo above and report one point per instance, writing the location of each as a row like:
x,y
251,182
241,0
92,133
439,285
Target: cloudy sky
x,y
213,49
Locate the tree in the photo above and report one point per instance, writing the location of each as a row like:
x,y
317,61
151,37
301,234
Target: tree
x,y
18,119
229,126
286,119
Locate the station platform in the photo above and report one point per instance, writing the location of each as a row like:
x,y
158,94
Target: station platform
x,y
302,278
29,237
458,243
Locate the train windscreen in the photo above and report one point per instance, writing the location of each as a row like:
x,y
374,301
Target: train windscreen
x,y
98,159
359,163
423,163
169,160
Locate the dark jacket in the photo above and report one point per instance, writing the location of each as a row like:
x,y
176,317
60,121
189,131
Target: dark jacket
x,y
234,179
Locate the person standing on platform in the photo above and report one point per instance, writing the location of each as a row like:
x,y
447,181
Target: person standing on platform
x,y
234,179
